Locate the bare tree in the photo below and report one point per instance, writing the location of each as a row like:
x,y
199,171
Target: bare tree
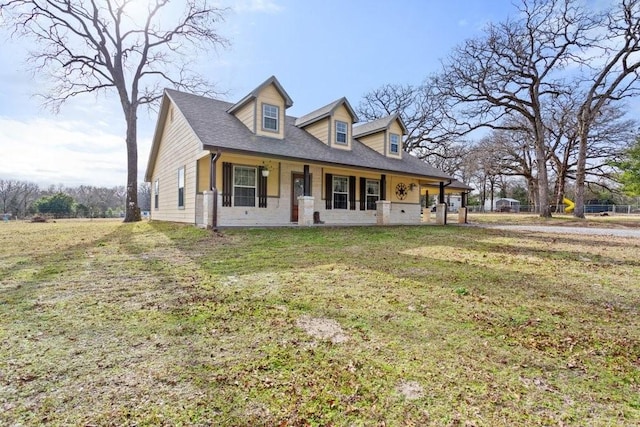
x,y
144,196
513,153
97,201
616,79
7,193
512,70
91,46
432,135
16,197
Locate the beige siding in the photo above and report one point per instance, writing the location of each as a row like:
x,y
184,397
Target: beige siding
x,y
178,147
270,95
374,141
413,195
204,167
341,114
395,128
320,130
247,115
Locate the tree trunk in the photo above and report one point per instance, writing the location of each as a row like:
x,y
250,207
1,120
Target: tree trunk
x,y
132,210
492,188
532,187
484,194
543,179
561,183
578,211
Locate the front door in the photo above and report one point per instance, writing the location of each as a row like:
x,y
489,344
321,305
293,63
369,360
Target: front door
x,y
297,190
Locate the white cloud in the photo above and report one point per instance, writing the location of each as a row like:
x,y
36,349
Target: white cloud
x,y
48,151
257,6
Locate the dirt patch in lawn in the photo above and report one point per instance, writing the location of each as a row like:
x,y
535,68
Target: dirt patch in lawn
x,y
410,390
323,328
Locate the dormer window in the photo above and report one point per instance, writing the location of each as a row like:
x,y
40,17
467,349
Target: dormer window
x,y
394,143
341,132
270,114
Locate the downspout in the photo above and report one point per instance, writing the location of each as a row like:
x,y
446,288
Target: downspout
x,y
441,198
213,187
442,186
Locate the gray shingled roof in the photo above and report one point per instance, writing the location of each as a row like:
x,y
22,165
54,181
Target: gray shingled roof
x,y
254,94
325,111
218,129
377,125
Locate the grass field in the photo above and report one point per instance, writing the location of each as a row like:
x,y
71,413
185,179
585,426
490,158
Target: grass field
x,y
103,323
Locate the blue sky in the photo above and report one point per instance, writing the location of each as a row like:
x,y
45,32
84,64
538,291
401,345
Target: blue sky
x,y
319,51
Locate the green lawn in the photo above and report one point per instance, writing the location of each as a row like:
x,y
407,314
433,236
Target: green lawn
x,y
103,323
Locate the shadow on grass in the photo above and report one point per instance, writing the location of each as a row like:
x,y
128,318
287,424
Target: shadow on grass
x,y
236,346
238,252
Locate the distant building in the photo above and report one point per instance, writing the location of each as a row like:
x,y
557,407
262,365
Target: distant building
x,y
503,204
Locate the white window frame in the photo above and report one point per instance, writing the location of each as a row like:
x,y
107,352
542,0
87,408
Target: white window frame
x,y
346,192
254,186
266,114
371,195
345,133
181,186
396,137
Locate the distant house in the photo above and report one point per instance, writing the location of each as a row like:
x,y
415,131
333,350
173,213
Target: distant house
x,y
454,201
503,204
215,163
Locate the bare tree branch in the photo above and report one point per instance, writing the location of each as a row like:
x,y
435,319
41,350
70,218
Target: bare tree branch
x,y
92,46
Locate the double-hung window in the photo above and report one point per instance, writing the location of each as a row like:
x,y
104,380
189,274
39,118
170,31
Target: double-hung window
x,y
244,186
181,187
270,115
394,143
373,193
340,192
156,194
341,132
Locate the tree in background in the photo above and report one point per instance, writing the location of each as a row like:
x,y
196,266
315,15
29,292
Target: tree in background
x,y
608,137
512,70
432,135
144,196
95,202
630,170
59,205
619,45
16,197
92,47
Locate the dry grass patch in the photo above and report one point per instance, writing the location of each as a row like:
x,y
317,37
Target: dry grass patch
x,y
566,220
155,324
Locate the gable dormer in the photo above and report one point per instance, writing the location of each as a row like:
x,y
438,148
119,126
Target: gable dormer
x,y
383,135
331,124
263,109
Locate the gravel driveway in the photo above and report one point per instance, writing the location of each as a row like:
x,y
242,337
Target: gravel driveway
x,y
618,232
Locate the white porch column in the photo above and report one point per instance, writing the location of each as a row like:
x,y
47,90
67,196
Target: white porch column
x,y
462,215
383,212
207,206
426,214
305,210
441,214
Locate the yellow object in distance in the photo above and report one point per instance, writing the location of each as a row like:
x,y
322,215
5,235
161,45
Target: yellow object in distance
x,y
570,206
